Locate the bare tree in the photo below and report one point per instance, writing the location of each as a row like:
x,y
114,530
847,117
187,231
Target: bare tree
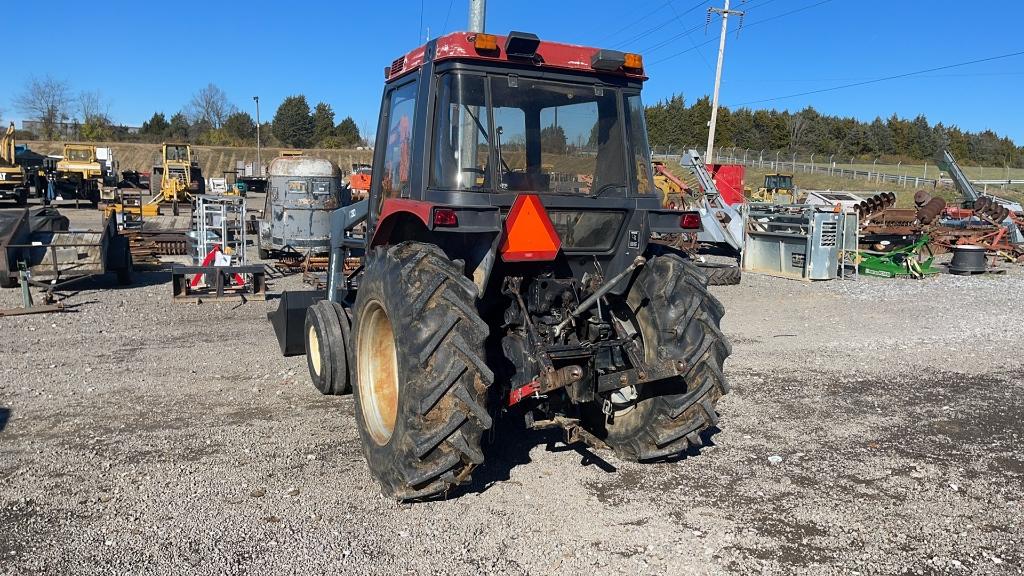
x,y
93,107
94,112
210,105
46,100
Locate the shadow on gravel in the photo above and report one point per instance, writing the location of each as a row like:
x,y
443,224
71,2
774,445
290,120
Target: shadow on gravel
x,y
5,415
513,443
508,448
140,279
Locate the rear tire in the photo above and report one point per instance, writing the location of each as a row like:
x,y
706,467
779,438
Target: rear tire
x,y
677,318
421,386
721,274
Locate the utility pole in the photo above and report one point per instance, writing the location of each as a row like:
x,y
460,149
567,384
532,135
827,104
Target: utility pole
x,y
259,159
725,12
477,14
468,135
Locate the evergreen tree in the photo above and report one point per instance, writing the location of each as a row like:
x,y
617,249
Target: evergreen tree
x,y
178,129
240,128
293,125
323,123
348,133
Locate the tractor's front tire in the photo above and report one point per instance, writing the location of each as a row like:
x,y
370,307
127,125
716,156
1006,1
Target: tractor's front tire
x,y
329,348
421,380
669,306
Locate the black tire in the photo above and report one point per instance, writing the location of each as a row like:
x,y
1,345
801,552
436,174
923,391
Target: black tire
x,y
263,253
720,274
124,273
21,198
328,348
425,371
7,281
669,305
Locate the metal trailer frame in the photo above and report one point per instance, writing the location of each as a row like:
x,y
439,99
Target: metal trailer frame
x,y
46,258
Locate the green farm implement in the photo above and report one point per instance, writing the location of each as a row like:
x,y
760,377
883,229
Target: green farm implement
x,y
903,262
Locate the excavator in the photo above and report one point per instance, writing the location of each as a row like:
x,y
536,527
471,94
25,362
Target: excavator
x,y
177,178
12,176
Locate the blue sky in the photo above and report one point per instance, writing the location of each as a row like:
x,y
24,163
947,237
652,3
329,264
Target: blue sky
x,y
336,51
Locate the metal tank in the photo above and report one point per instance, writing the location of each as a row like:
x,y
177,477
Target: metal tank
x,y
301,193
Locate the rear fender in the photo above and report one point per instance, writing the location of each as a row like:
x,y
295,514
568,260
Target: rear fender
x,y
399,211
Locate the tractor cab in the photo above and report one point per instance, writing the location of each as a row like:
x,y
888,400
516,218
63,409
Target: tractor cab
x,y
777,189
473,121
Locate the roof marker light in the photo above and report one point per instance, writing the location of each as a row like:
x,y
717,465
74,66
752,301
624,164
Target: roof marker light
x,y
485,42
633,62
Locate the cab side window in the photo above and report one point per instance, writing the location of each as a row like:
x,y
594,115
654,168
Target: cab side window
x,y
397,157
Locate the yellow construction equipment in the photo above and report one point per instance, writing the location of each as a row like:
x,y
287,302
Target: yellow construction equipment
x,y
178,178
12,176
79,173
673,190
778,189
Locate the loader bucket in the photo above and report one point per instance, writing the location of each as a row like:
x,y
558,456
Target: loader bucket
x,y
290,318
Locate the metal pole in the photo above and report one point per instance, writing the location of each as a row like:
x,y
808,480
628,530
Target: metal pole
x,y
477,14
469,136
259,158
718,75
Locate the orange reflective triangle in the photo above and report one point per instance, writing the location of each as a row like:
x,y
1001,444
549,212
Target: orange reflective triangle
x,y
529,234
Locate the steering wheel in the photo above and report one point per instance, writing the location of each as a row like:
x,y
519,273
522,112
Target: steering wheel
x,y
478,172
606,187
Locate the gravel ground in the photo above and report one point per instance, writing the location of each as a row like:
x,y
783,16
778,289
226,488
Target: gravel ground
x,y
873,427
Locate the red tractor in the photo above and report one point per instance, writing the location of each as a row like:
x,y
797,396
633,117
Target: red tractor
x,y
505,268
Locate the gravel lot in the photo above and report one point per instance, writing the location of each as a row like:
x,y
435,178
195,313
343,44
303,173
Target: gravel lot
x,y
874,427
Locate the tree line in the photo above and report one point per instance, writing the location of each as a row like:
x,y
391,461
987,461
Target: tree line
x,y
672,123
208,118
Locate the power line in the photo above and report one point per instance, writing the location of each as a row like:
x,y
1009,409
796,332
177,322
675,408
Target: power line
x,y
784,14
666,22
885,78
638,20
444,29
686,33
694,44
419,31
659,45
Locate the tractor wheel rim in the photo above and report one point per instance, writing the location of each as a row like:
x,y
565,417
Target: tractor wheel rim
x,y
377,368
314,350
